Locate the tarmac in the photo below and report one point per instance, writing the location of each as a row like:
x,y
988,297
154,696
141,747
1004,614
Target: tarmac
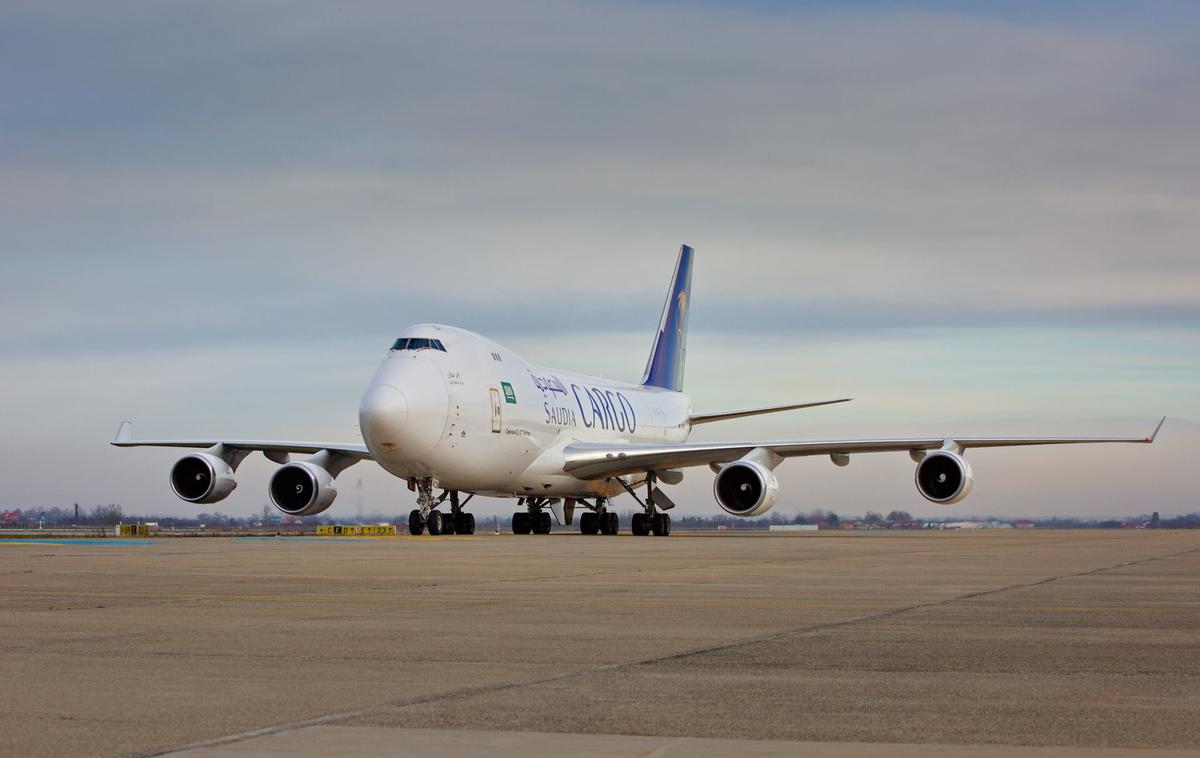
x,y
980,643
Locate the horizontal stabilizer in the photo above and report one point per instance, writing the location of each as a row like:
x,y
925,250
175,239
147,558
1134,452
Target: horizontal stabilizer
x,y
708,418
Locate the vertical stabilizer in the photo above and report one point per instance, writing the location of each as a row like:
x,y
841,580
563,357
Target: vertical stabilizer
x,y
665,366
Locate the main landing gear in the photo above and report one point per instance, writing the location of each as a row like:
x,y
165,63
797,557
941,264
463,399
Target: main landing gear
x,y
651,520
599,520
426,515
533,519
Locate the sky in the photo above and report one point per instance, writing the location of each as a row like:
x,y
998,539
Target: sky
x,y
971,217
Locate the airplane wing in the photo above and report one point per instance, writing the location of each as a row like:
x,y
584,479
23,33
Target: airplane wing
x,y
599,461
124,438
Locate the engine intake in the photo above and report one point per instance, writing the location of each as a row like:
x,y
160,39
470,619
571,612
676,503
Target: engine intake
x,y
746,488
302,489
202,478
944,477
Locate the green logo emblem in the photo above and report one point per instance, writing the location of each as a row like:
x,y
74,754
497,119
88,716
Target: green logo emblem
x,y
509,395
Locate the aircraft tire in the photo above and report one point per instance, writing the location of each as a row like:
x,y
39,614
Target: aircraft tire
x,y
416,524
435,523
588,524
660,524
543,523
464,523
521,523
612,523
640,527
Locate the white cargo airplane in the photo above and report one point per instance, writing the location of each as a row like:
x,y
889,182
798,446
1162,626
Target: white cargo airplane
x,y
451,410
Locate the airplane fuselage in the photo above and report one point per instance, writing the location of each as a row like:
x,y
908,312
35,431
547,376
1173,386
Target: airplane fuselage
x,y
476,417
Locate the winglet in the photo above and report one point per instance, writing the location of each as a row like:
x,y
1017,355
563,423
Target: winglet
x,y
124,433
1154,434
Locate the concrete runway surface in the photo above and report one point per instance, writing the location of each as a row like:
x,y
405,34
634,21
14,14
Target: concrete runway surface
x,y
707,644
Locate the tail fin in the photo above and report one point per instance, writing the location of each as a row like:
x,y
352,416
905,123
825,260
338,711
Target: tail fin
x,y
665,366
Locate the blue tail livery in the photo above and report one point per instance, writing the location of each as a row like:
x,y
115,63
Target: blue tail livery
x,y
665,367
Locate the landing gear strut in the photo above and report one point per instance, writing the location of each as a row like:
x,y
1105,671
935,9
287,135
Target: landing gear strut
x,y
651,521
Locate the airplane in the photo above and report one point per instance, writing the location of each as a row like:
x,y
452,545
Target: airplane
x,y
453,411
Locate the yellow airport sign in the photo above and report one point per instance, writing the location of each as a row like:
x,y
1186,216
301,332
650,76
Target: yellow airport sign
x,y
386,530
378,530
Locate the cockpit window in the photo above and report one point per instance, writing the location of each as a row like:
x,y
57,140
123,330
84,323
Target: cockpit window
x,y
418,343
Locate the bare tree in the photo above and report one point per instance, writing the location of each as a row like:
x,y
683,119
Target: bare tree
x,y
108,514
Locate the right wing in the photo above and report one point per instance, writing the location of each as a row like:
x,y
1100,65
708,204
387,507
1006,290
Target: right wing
x,y
276,448
598,461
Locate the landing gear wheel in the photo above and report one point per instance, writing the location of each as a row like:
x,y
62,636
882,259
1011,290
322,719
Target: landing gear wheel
x,y
660,524
542,523
641,525
464,523
416,524
521,523
609,523
589,524
437,524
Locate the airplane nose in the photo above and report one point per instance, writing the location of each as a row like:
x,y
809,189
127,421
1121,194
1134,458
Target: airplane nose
x,y
382,416
404,410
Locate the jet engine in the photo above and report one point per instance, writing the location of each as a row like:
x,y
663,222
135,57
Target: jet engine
x,y
944,477
202,478
746,488
302,489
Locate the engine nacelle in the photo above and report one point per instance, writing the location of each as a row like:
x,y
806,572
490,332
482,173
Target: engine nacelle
x,y
302,489
202,478
746,488
944,477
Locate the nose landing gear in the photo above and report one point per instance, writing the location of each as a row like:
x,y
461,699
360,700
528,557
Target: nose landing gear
x,y
426,515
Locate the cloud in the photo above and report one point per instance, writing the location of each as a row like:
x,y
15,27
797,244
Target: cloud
x,y
206,189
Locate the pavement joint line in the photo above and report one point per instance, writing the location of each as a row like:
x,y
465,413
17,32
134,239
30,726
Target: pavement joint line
x,y
484,689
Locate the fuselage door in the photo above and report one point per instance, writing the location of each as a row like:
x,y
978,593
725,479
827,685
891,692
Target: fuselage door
x,y
497,410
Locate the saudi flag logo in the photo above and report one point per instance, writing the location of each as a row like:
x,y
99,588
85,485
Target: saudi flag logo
x,y
509,395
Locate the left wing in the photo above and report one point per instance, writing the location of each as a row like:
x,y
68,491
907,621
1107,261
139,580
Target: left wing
x,y
124,438
598,461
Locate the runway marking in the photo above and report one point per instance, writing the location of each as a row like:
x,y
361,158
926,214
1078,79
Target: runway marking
x,y
72,541
454,538
485,689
